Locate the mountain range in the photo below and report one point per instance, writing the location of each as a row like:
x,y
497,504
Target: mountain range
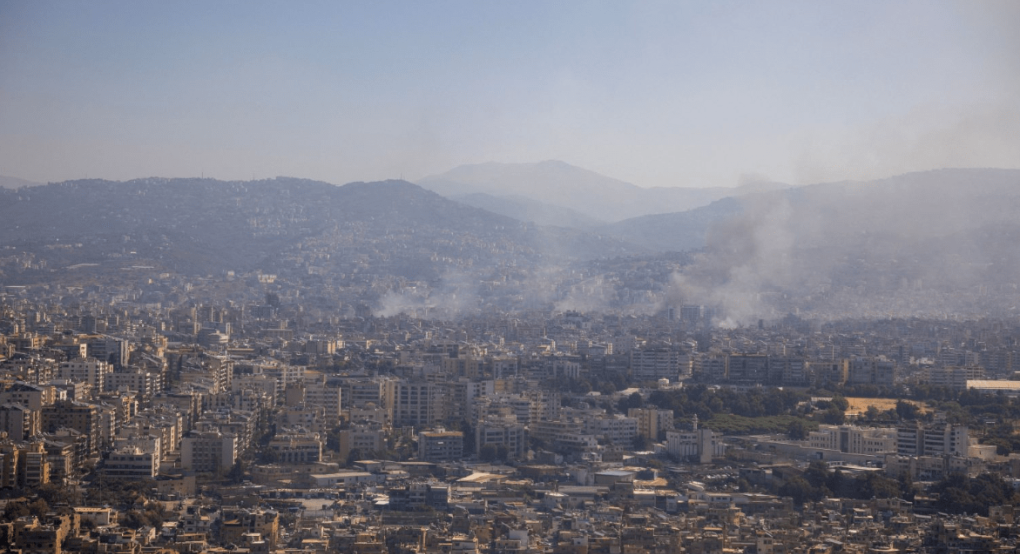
x,y
935,242
208,226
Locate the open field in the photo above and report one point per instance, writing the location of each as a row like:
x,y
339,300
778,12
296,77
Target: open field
x,y
860,405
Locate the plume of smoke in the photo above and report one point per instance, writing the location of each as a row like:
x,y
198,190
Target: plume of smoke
x,y
745,259
455,296
923,244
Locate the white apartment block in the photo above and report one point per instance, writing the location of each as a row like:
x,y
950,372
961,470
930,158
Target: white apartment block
x,y
330,399
131,463
208,452
854,440
85,370
618,429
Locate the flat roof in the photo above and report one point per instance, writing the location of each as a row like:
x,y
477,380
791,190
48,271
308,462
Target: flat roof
x,y
480,477
1000,384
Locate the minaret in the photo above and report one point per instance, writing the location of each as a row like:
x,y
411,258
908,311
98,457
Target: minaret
x,y
694,423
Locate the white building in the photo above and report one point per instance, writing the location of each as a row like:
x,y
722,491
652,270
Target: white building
x,y
364,439
697,444
936,439
854,440
440,446
329,398
617,429
85,370
652,364
297,448
504,432
208,452
418,403
131,463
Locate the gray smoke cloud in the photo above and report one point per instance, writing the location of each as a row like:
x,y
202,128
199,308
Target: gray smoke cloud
x,y
745,259
937,243
455,296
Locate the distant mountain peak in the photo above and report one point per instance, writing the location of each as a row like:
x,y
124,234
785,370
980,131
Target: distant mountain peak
x,y
7,182
559,183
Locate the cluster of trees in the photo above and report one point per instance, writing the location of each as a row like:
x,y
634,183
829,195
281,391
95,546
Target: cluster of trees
x,y
606,382
729,424
959,494
21,508
118,493
833,411
493,453
818,482
153,514
956,493
1003,437
705,401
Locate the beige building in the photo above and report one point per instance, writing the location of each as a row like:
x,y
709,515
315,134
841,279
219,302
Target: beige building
x,y
505,432
365,439
440,446
854,440
652,423
208,452
131,463
298,449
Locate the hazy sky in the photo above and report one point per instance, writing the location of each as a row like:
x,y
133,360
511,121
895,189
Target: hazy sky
x,y
657,93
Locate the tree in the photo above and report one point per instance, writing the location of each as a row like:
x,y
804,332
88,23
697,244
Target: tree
x,y
333,439
487,453
841,403
14,510
641,443
268,456
55,494
838,484
236,473
961,494
469,435
39,508
907,410
833,415
156,514
134,519
632,401
817,474
876,486
797,430
273,299
799,490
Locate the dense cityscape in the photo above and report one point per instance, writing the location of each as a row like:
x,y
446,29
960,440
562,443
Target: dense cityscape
x,y
518,277
265,423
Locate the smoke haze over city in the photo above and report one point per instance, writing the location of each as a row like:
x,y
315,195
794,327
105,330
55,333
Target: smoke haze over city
x,y
822,159
510,277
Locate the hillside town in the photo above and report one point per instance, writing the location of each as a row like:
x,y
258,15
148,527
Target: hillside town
x,y
231,414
